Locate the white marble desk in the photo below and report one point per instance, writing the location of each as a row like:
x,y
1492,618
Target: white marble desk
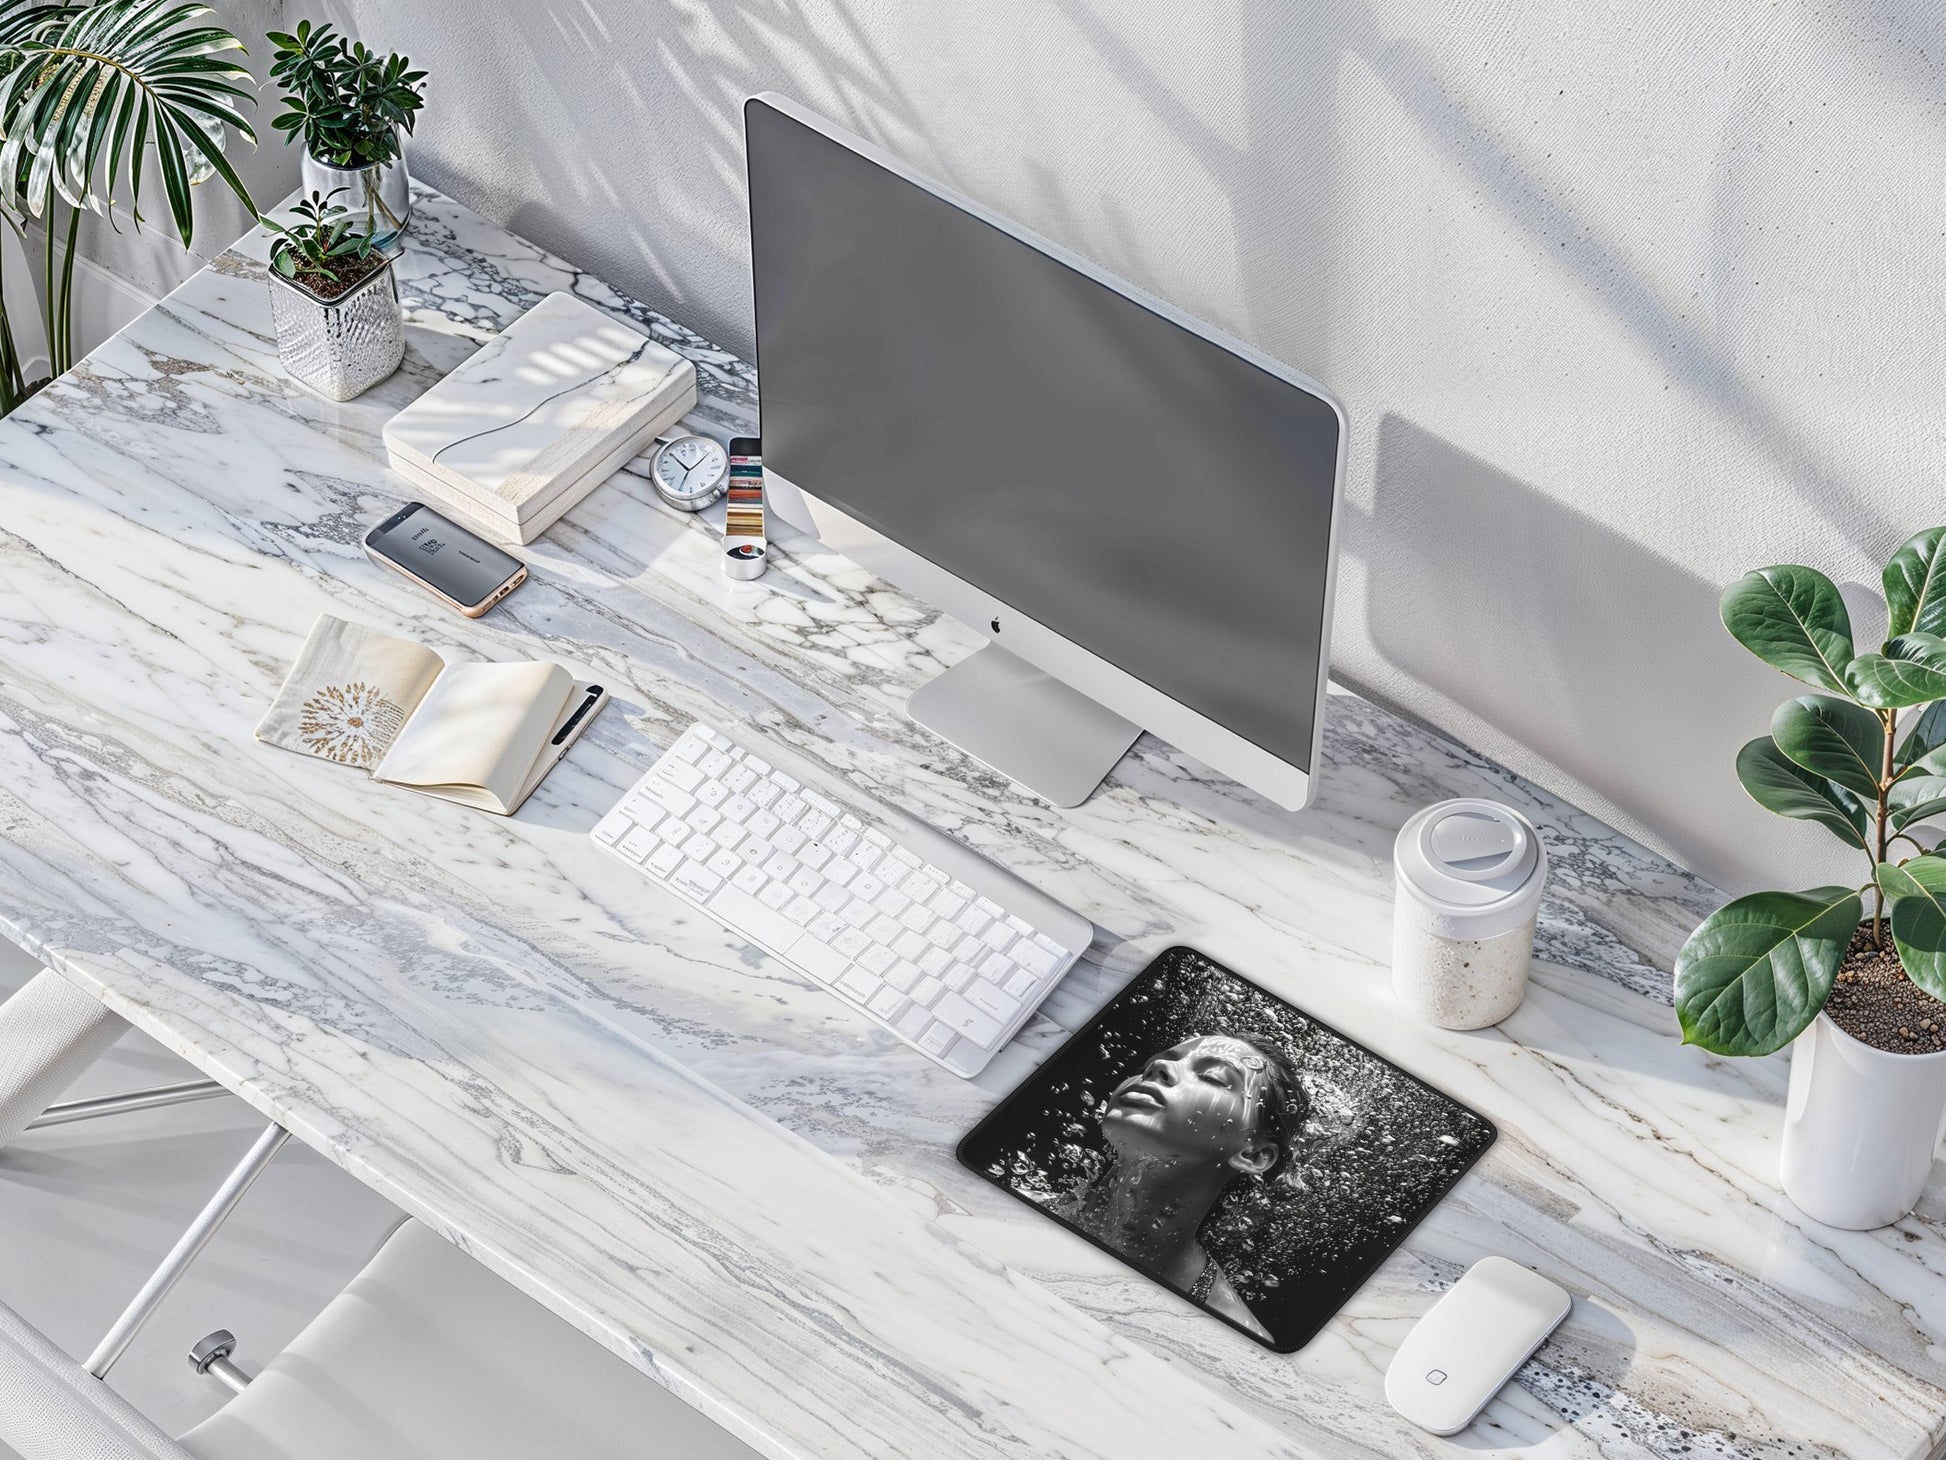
x,y
707,1163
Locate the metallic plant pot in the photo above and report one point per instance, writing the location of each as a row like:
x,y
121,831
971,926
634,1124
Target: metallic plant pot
x,y
339,347
379,197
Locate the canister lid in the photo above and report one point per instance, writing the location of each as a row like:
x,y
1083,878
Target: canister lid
x,y
1475,868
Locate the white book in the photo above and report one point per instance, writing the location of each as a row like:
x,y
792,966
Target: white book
x,y
539,416
481,734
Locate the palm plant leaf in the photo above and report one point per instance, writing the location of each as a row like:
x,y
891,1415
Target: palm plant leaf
x,y
91,94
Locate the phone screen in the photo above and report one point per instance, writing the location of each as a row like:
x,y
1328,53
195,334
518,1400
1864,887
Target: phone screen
x,y
442,554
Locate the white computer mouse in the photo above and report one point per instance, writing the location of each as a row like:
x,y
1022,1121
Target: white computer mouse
x,y
1471,1341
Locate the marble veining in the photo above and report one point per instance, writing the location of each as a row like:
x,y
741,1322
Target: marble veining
x,y
712,1166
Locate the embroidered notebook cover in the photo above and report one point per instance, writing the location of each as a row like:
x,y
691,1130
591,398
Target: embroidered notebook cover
x,y
1229,1146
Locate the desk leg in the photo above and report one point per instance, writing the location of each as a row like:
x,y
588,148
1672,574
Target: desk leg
x,y
49,1033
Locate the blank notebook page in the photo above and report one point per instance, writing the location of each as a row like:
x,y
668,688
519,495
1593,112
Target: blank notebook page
x,y
480,725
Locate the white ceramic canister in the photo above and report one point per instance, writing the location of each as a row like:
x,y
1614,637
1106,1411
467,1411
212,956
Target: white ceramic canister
x,y
1469,875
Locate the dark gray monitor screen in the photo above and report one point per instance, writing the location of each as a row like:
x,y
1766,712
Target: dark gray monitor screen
x,y
1136,488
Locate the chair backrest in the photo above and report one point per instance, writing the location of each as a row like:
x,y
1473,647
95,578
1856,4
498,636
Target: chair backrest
x,y
56,1410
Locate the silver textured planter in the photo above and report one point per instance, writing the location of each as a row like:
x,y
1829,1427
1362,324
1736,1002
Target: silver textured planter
x,y
339,347
379,197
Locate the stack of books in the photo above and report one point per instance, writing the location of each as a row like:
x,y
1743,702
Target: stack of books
x,y
539,417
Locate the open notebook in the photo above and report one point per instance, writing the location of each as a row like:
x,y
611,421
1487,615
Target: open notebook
x,y
480,734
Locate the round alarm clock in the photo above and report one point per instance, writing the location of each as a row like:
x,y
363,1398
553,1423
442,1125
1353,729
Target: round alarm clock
x,y
689,472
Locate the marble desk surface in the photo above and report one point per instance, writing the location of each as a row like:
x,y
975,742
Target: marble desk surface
x,y
708,1163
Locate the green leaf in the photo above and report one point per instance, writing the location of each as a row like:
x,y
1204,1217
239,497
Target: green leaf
x,y
1755,974
1916,893
1777,783
1832,738
1911,671
1792,618
1913,798
1925,735
1915,585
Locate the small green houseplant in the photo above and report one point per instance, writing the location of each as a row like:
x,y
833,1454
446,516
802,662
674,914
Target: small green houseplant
x,y
1865,758
349,105
318,248
333,299
1759,969
95,98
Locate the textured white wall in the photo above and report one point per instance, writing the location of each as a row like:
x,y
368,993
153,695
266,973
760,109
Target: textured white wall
x,y
1623,299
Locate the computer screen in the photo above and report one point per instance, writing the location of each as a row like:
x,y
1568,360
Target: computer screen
x,y
1129,484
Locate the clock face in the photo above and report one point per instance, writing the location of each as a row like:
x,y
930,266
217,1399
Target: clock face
x,y
690,468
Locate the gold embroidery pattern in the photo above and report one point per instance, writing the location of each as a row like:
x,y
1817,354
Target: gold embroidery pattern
x,y
349,723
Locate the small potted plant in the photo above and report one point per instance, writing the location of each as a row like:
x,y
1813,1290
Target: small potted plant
x,y
335,301
1859,994
350,105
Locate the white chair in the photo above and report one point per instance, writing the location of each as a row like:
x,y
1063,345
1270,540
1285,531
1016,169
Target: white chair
x,y
428,1356
424,1356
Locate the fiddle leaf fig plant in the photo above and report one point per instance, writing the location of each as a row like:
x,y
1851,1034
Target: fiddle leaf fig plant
x,y
1865,758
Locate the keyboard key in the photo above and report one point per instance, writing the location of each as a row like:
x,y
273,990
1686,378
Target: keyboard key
x,y
1034,959
763,823
670,798
824,927
726,834
775,895
934,962
801,910
749,879
906,858
725,863
866,885
712,793
699,848
917,918
690,747
909,945
804,882
988,999
937,1039
638,844
814,856
756,850
828,895
716,738
865,855
665,860
694,881
815,823
714,764
858,913
886,1003
971,950
885,963
926,990
757,763
971,920
764,793
841,872
913,1021
959,977
789,808
851,942
883,929
822,804
1020,982
611,829
942,935
739,808
918,886
780,866
855,983
999,937
891,902
703,818
962,1018
682,776
1019,924
995,967
740,778
842,841
788,839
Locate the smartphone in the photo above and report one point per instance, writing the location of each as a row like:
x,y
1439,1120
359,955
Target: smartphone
x,y
459,568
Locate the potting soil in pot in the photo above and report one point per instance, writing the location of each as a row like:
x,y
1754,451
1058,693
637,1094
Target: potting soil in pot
x,y
1874,1001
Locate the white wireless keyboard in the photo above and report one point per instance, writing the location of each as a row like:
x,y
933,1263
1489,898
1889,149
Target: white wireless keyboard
x,y
931,940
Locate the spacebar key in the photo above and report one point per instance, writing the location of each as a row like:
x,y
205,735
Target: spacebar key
x,y
745,915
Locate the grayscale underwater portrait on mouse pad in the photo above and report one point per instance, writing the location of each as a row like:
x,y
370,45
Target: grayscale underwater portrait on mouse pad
x,y
1229,1146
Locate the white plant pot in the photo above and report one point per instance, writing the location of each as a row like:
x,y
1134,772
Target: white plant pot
x,y
1860,1127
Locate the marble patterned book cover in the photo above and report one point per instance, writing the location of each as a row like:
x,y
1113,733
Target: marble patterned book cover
x,y
1229,1146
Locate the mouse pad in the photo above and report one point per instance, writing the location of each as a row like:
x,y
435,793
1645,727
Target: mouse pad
x,y
1229,1146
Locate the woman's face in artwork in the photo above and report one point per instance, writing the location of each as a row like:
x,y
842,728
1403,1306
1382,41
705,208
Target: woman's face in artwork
x,y
1202,1101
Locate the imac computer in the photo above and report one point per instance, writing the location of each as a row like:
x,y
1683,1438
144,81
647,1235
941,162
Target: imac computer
x,y
1138,511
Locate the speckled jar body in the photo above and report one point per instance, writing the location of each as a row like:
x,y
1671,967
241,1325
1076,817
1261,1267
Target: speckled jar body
x,y
1860,1127
1458,983
339,347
